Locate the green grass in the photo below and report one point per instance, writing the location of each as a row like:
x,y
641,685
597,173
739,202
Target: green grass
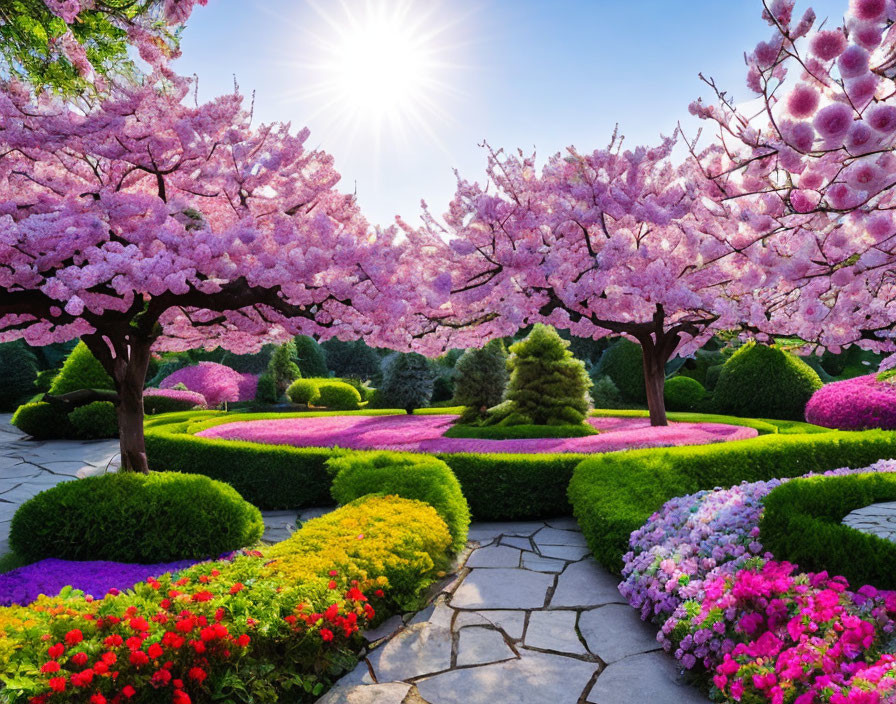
x,y
519,432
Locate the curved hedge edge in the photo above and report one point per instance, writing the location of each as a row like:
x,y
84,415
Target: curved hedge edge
x,y
765,427
614,494
802,524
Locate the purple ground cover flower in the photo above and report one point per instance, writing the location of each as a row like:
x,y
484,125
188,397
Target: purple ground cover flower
x,y
425,434
854,404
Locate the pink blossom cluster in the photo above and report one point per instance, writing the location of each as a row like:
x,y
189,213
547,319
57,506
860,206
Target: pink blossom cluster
x,y
248,385
425,434
855,404
217,383
188,397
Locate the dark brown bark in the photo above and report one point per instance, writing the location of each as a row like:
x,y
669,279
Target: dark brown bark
x,y
655,381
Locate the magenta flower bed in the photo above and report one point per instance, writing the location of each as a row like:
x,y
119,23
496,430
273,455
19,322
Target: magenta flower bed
x,y
216,382
425,434
247,387
854,404
188,397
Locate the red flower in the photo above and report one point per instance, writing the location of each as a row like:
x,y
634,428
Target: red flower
x,y
160,678
331,612
380,593
74,636
185,625
198,674
332,584
180,697
333,573
57,684
139,624
128,691
56,650
172,640
326,634
134,643
219,614
243,640
51,666
154,651
355,594
203,596
113,641
101,668
237,588
109,658
82,679
97,699
139,658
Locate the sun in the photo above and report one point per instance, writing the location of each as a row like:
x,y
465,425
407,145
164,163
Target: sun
x,y
378,69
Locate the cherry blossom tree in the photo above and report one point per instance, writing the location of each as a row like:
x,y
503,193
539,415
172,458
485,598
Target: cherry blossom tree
x,y
612,242
809,169
146,224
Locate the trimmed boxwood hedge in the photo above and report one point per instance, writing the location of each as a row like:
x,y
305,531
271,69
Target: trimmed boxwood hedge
x,y
802,524
614,494
519,432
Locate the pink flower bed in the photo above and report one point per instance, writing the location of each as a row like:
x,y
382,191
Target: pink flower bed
x,y
216,382
854,404
247,387
425,434
187,397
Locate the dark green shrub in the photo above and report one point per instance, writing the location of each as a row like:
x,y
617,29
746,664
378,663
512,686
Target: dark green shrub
x,y
131,517
712,376
282,368
765,382
409,476
95,420
614,494
168,364
352,359
18,370
266,391
682,393
360,386
519,432
304,391
443,387
802,524
604,393
255,363
81,371
310,357
482,376
43,421
623,362
698,366
407,382
338,395
548,386
44,380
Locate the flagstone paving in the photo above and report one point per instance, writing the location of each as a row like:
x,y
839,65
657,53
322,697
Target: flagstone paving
x,y
529,618
877,519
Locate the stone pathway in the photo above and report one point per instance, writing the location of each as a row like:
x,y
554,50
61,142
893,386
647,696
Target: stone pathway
x,y
529,618
876,519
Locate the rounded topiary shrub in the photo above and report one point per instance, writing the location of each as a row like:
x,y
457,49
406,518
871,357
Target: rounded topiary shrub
x,y
129,517
95,420
420,477
338,396
855,404
43,421
623,362
765,382
171,400
81,371
682,393
18,370
304,391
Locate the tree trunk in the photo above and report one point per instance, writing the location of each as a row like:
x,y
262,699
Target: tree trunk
x,y
655,381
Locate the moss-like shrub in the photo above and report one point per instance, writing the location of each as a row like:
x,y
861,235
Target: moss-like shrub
x,y
482,376
310,357
95,420
623,362
18,370
304,391
682,393
408,382
338,395
765,382
81,371
266,391
802,524
519,432
352,359
410,476
129,517
43,421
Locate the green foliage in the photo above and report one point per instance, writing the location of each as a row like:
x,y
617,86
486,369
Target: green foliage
x,y
604,393
408,382
266,391
699,365
282,368
131,517
338,395
153,405
95,420
352,359
410,476
712,376
169,363
482,376
802,524
682,393
310,357
304,391
767,382
81,371
43,421
548,386
519,432
44,380
255,363
614,494
623,362
18,370
443,386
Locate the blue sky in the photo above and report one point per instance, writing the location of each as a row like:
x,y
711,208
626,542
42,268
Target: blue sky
x,y
518,73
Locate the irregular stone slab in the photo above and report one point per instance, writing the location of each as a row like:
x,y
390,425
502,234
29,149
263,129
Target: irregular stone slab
x,y
490,531
615,631
463,619
511,622
420,649
385,629
584,584
502,589
478,646
517,542
537,563
563,523
389,693
495,556
306,514
564,552
652,677
437,613
553,536
535,678
278,525
554,630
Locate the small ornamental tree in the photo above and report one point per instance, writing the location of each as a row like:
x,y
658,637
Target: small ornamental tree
x,y
282,367
408,382
145,223
548,386
310,357
481,376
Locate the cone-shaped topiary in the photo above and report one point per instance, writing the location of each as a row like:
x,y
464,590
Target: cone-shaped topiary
x,y
548,386
765,382
81,371
408,382
482,376
310,357
283,368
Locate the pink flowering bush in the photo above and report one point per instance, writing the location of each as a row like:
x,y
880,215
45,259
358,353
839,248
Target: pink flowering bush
x,y
216,382
855,404
247,386
169,400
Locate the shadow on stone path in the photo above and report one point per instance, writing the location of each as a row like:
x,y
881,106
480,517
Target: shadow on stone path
x,y
530,619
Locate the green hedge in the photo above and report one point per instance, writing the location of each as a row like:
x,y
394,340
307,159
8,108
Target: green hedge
x,y
43,421
519,432
802,524
95,420
130,517
81,371
615,493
